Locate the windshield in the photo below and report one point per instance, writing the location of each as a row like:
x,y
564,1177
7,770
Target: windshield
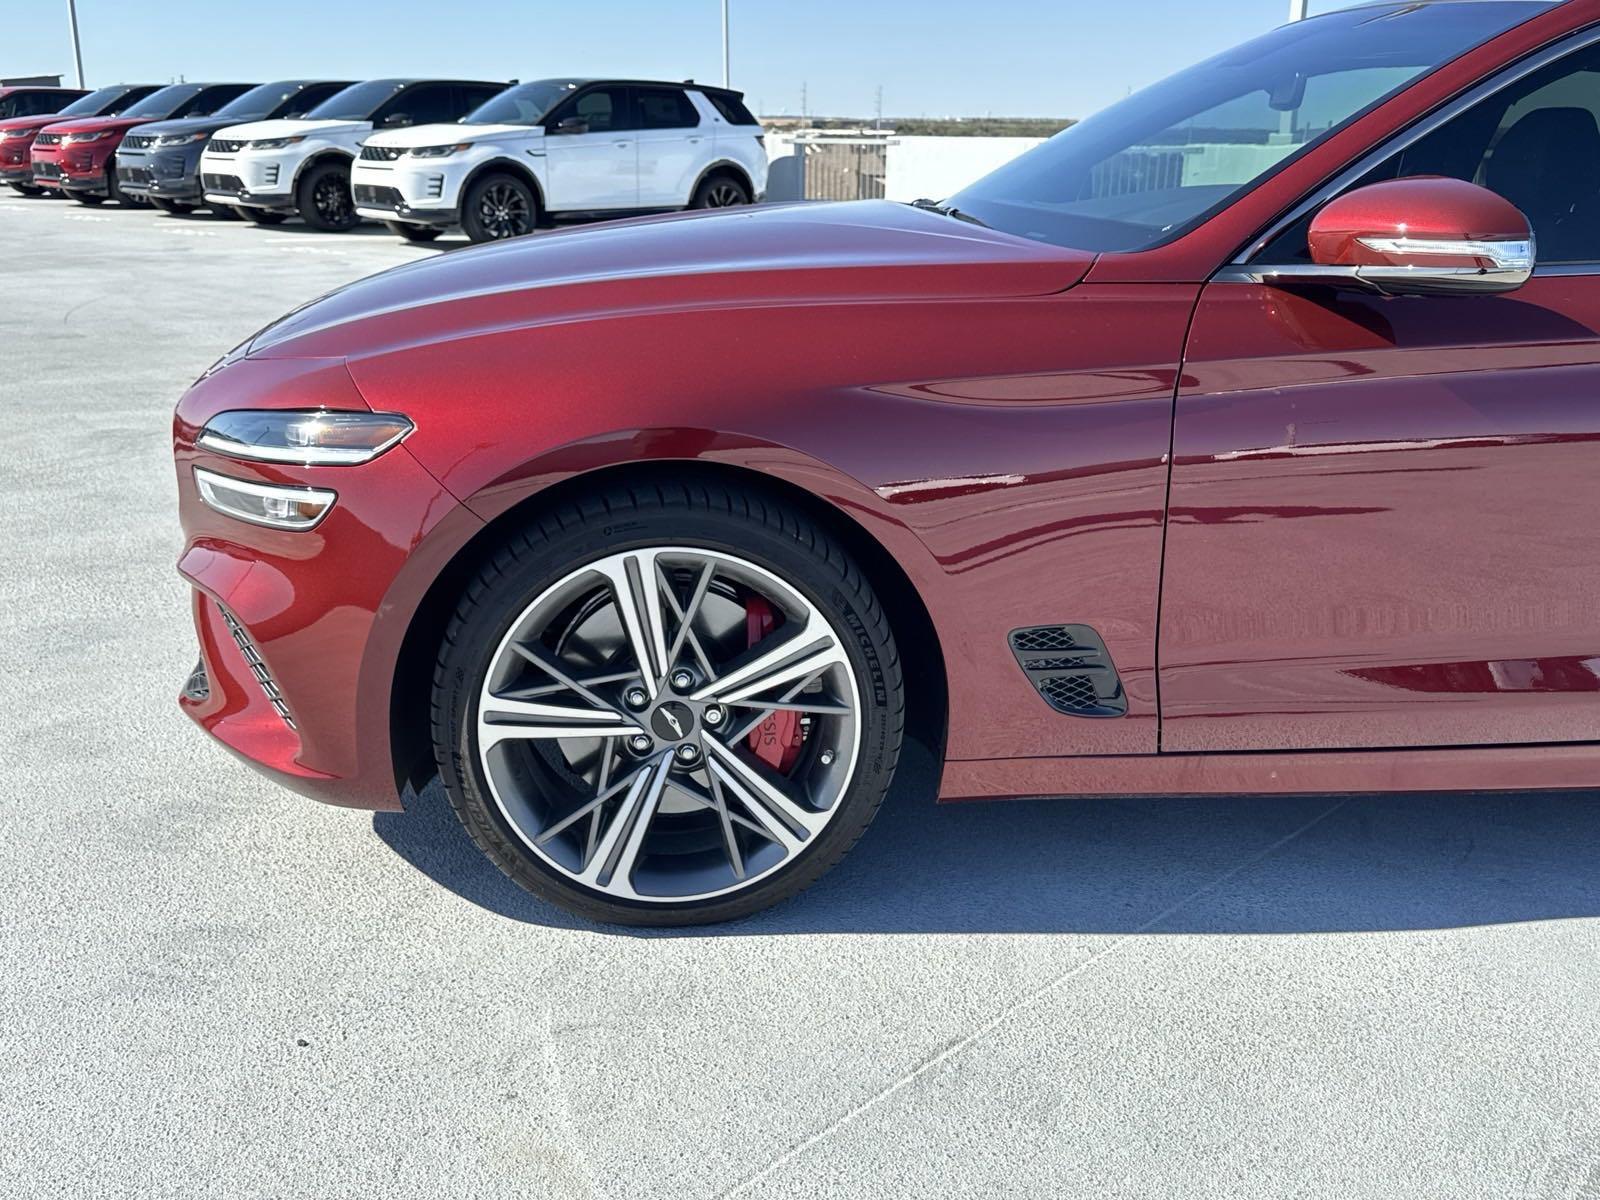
x,y
525,104
94,102
258,102
165,102
1147,168
357,102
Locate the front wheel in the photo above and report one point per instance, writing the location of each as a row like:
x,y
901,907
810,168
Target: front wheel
x,y
413,233
264,216
176,207
88,198
324,198
27,189
497,207
668,706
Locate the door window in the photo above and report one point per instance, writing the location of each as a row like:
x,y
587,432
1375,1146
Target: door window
x,y
425,104
665,108
1536,142
604,108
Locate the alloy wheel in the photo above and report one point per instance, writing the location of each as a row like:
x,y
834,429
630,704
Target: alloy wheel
x,y
668,724
503,211
332,200
724,194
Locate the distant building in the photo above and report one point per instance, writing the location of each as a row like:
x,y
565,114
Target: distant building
x,y
32,81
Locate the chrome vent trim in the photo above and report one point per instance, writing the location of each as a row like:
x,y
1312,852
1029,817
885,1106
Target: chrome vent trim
x,y
252,659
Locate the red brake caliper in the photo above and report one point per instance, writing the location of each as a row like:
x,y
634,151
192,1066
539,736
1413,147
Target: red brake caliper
x,y
776,741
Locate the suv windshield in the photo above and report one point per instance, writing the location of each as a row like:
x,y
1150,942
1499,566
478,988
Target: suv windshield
x,y
525,104
1149,167
165,102
90,105
258,102
357,102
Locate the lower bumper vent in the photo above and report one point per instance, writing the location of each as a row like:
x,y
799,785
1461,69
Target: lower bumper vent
x,y
258,668
1071,668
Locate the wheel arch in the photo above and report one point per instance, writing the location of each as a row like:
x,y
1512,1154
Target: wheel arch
x,y
921,651
509,166
724,166
330,154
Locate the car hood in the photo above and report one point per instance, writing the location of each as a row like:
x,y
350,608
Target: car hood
x,y
184,125
99,124
281,127
37,121
784,254
441,135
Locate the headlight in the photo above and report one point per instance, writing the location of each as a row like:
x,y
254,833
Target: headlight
x,y
75,138
310,438
282,506
437,151
275,143
180,139
19,134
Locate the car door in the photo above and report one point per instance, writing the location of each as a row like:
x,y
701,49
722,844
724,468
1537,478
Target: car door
x,y
671,146
594,165
1382,518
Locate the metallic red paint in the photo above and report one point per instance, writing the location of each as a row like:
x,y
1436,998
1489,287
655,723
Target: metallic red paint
x,y
998,415
1422,208
84,164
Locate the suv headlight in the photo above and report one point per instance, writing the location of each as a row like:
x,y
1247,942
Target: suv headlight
x,y
304,437
437,151
19,134
275,143
180,139
73,139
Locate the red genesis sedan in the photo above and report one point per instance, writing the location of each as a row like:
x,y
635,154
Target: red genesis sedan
x,y
1230,441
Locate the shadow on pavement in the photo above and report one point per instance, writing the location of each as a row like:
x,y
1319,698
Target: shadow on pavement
x,y
1116,865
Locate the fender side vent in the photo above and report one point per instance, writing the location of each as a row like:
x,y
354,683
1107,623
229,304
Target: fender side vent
x,y
1071,669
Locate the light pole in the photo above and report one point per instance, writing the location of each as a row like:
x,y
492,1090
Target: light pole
x,y
1297,10
725,43
77,52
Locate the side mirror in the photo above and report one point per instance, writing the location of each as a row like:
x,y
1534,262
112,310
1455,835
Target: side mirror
x,y
396,120
1423,235
571,125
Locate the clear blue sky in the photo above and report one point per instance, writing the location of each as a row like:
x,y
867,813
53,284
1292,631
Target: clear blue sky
x,y
932,57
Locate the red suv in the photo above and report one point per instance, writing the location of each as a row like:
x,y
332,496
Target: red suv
x,y
1229,441
77,155
18,130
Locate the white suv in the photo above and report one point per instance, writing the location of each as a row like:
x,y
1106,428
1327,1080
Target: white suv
x,y
270,170
564,148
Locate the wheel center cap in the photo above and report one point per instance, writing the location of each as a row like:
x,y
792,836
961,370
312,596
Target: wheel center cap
x,y
673,721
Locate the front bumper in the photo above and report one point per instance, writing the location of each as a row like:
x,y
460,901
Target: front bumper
x,y
170,176
300,632
262,179
422,195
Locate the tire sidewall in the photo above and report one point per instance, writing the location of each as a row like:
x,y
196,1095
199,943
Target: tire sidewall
x,y
824,581
469,204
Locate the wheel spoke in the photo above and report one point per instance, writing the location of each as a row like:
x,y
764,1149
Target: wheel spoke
x,y
531,719
592,810
614,858
637,594
763,799
685,618
798,656
548,665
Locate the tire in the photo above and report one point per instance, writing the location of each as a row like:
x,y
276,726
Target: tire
x,y
264,216
225,212
88,198
498,206
413,233
722,190
324,200
27,189
176,207
752,550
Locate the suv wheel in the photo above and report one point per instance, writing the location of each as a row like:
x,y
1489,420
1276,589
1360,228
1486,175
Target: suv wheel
x,y
324,199
176,207
720,191
668,706
264,216
499,206
27,189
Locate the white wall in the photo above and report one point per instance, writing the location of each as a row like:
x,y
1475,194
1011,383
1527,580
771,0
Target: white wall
x,y
936,167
